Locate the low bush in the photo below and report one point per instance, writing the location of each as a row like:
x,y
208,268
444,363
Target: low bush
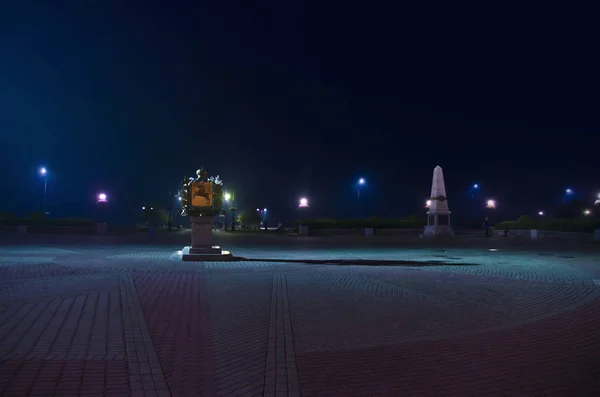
x,y
49,222
374,222
551,224
7,215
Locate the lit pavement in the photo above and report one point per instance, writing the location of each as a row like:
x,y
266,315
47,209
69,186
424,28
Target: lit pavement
x,y
99,320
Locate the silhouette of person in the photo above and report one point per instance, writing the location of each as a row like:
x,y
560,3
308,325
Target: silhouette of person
x,y
486,226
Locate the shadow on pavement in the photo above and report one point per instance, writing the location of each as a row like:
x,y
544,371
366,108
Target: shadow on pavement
x,y
360,262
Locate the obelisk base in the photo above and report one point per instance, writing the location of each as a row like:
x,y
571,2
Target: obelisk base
x,y
202,248
438,224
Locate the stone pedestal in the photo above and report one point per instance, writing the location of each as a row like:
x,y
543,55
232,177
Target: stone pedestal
x,y
202,238
438,223
202,248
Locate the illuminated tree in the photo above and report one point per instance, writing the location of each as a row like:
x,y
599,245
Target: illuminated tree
x,y
153,215
250,218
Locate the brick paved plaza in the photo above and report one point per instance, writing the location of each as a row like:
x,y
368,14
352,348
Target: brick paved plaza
x,y
119,320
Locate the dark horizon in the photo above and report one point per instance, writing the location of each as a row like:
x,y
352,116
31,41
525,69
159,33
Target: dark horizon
x,y
286,101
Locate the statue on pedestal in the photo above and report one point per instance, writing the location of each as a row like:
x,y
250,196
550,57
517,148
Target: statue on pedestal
x,y
201,200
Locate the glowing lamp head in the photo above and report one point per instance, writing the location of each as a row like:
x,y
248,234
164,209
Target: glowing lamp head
x,y
597,202
179,198
476,186
361,181
43,171
569,191
227,196
427,203
587,212
491,204
541,213
264,209
303,202
102,198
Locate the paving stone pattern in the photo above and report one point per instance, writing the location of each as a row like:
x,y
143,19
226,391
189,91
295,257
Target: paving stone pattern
x,y
131,321
281,378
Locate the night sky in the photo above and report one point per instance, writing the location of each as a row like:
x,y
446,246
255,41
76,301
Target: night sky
x,y
289,99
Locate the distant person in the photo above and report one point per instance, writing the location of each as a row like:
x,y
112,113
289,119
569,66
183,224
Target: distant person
x,y
266,229
486,227
279,227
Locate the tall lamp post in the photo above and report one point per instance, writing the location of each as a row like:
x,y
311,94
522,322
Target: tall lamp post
x,y
263,217
170,209
102,202
179,199
361,182
230,198
44,174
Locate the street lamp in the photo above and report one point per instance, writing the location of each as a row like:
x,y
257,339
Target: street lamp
x,y
303,203
569,190
587,212
491,204
170,207
541,213
231,198
361,182
474,189
427,203
44,174
263,216
102,202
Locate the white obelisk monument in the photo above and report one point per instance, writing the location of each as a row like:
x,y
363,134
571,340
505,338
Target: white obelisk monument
x,y
438,214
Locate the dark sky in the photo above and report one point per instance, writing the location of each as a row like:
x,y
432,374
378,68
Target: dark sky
x,y
286,99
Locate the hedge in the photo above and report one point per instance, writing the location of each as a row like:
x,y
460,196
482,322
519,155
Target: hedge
x,y
551,224
376,223
58,222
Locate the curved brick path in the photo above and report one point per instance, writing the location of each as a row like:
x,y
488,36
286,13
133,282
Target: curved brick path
x,y
120,321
